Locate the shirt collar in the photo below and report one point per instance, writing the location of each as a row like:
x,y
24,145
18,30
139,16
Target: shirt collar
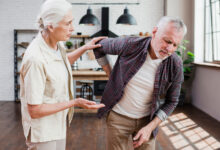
x,y
46,50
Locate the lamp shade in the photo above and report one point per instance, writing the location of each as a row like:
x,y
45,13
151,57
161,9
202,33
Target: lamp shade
x,y
89,18
126,18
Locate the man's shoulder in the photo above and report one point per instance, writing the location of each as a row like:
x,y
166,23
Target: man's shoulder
x,y
126,40
175,58
175,62
136,38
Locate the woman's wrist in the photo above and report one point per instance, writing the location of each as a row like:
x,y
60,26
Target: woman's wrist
x,y
72,103
84,48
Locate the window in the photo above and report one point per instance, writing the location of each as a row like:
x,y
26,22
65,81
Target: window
x,y
212,31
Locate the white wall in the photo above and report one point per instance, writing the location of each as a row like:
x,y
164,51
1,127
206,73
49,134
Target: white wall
x,y
184,9
21,14
14,14
206,87
147,14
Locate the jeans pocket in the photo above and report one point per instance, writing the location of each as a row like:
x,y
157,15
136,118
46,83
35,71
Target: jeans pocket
x,y
107,116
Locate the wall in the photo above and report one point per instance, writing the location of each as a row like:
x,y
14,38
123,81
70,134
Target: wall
x,y
184,9
206,95
21,14
14,14
147,15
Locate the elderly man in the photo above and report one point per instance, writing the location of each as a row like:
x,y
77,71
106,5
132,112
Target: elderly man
x,y
146,68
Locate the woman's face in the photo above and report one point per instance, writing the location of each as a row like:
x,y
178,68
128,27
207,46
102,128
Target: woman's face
x,y
64,29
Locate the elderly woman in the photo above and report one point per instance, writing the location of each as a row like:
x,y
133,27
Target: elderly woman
x,y
46,80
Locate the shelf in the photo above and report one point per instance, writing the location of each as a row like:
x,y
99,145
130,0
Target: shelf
x,y
70,50
26,30
89,75
18,100
23,44
18,86
19,58
80,36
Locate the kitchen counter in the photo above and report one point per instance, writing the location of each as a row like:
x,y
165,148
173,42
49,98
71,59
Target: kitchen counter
x,y
89,75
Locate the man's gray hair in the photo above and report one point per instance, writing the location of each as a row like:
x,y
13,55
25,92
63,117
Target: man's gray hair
x,y
51,12
179,24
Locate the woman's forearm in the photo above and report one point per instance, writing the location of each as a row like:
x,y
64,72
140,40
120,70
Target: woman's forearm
x,y
38,111
73,56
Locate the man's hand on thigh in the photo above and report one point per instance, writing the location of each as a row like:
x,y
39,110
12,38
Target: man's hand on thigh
x,y
142,136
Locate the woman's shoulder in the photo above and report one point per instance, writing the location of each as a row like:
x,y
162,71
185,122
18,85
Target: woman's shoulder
x,y
30,60
33,54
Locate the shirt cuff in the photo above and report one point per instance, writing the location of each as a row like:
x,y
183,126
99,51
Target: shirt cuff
x,y
161,115
102,61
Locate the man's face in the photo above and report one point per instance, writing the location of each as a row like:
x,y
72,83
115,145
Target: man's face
x,y
166,40
64,29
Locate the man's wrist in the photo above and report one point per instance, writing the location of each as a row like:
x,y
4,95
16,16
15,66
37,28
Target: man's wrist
x,y
151,126
154,123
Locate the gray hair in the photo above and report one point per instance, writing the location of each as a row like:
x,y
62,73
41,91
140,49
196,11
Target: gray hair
x,y
51,12
179,24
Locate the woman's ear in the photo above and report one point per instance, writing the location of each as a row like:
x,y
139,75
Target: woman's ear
x,y
50,28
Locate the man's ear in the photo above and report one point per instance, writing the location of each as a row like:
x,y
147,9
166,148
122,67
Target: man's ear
x,y
50,28
154,31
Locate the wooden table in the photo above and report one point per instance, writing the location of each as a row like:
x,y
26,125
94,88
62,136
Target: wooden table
x,y
89,75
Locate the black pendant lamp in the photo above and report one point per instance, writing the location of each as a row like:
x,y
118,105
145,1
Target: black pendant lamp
x,y
89,18
126,18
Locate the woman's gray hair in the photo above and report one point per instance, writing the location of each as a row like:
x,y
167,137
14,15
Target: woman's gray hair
x,y
51,12
179,24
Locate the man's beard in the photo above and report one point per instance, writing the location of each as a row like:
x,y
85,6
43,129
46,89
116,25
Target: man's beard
x,y
157,53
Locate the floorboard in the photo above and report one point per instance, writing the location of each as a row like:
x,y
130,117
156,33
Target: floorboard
x,y
186,129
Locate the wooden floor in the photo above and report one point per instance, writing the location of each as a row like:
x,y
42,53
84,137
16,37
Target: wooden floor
x,y
187,129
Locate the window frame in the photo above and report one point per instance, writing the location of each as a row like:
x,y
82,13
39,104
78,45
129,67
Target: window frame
x,y
211,32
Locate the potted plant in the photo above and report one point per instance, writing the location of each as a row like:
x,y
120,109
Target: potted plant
x,y
69,44
187,58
